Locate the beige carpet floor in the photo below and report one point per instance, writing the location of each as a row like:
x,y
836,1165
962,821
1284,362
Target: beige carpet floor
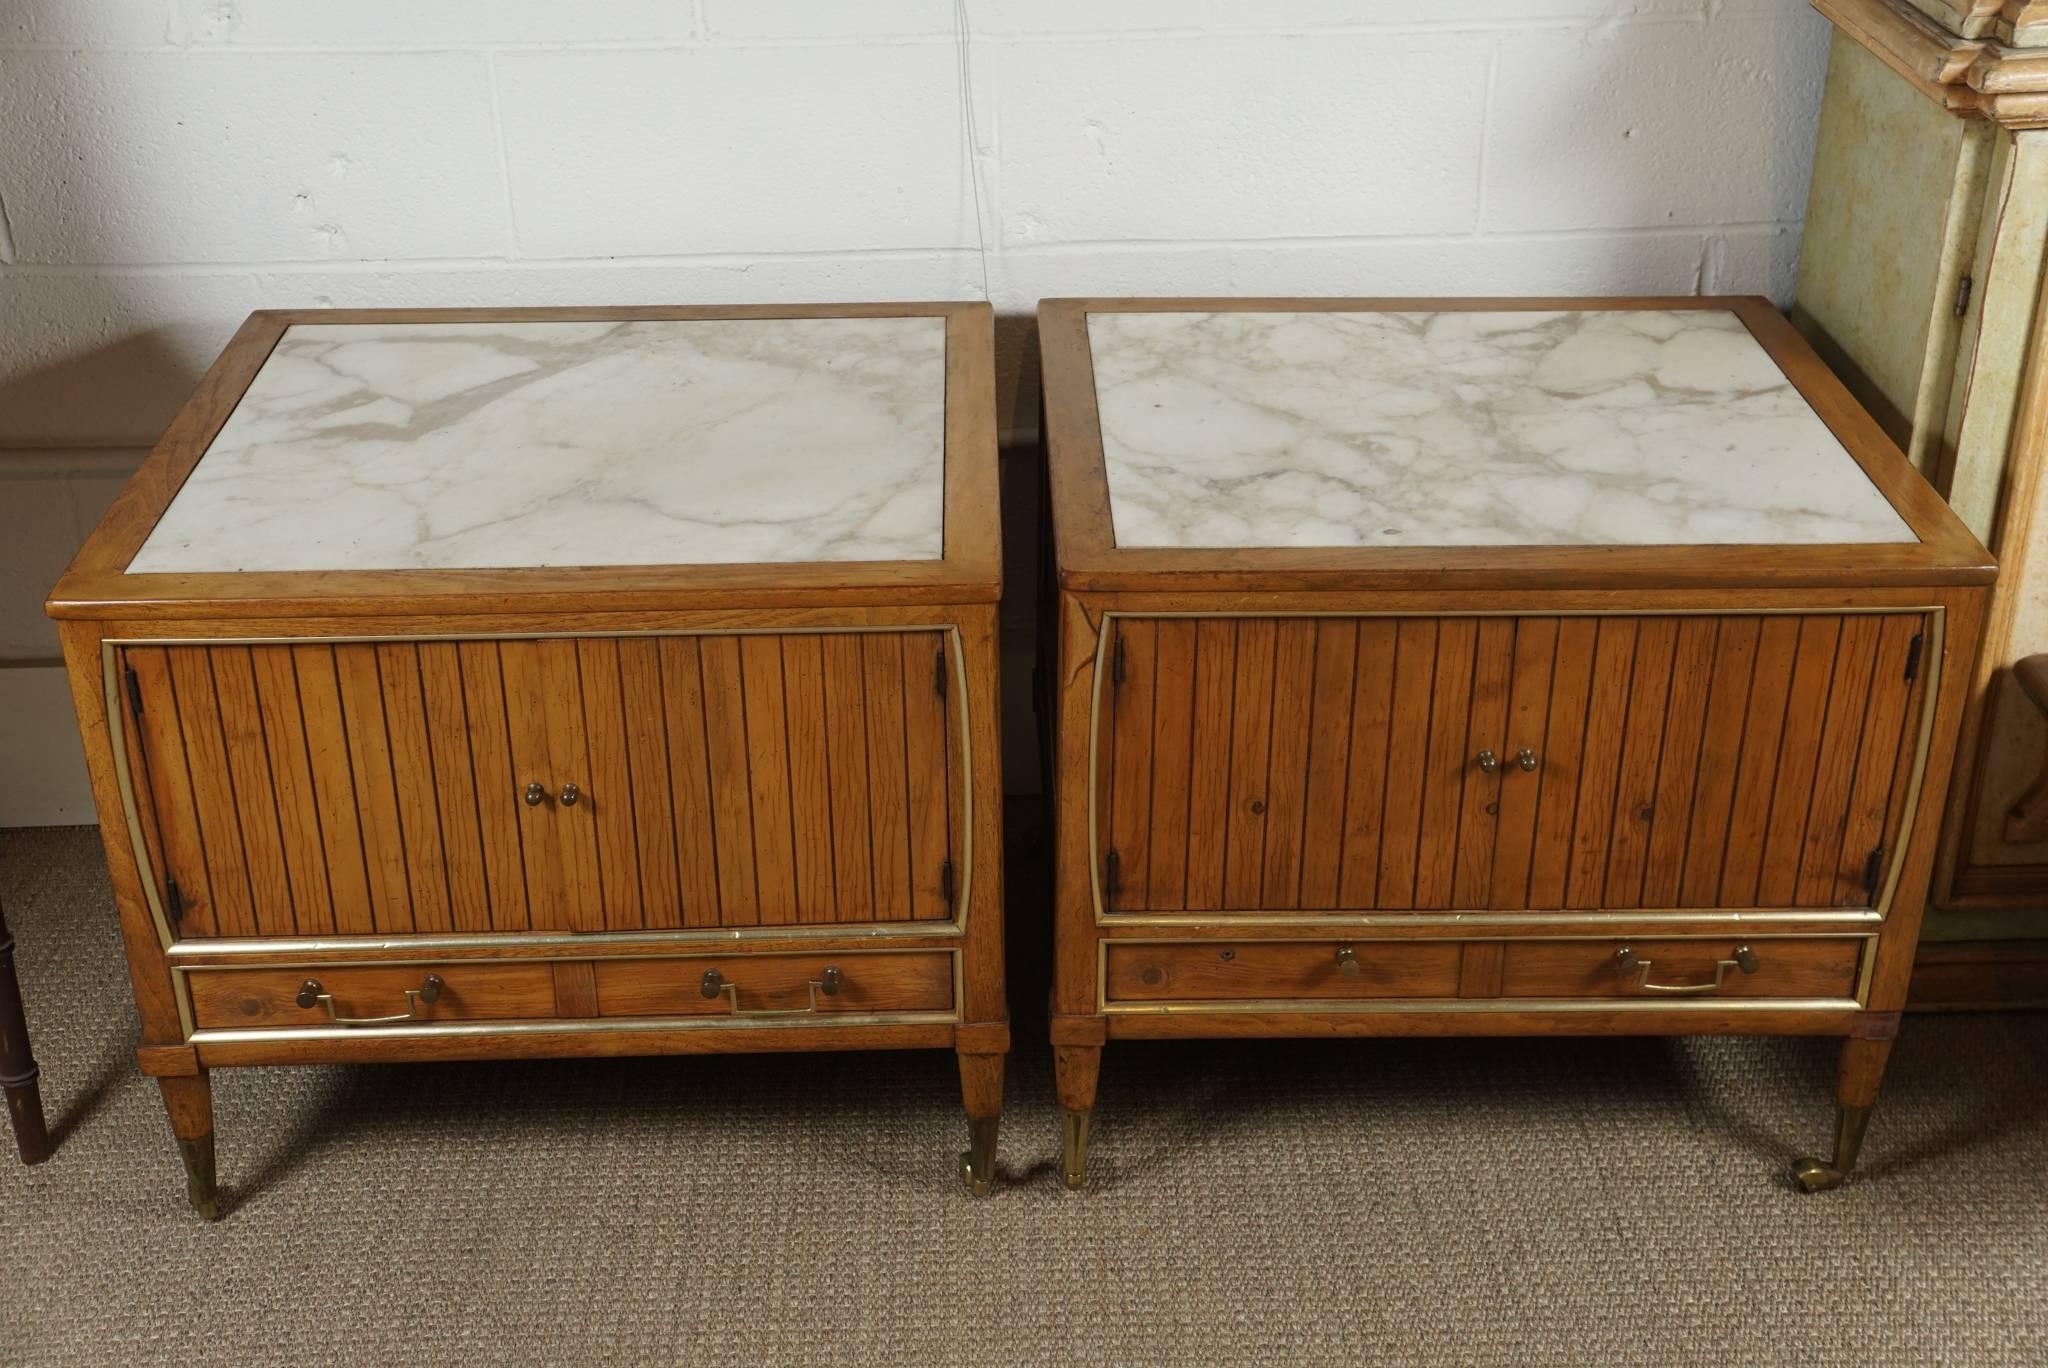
x,y
1506,1202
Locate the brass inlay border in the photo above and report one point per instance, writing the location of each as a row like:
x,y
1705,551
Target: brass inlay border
x,y
1480,1006
1931,658
117,722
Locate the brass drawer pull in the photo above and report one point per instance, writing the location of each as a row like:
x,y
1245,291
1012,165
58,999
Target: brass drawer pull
x,y
311,994
570,793
714,983
1526,760
1347,961
1626,960
535,795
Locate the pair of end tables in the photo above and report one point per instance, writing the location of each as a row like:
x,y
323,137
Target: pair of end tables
x,y
516,683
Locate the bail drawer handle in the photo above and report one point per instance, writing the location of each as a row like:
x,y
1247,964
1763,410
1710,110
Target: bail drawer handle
x,y
311,994
1628,962
714,983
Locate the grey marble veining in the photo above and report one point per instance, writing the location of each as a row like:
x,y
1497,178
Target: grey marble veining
x,y
494,445
1465,429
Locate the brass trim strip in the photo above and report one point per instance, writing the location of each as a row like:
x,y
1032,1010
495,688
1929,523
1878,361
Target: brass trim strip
x,y
576,1026
905,931
1255,920
1480,1005
428,961
173,947
1103,917
117,740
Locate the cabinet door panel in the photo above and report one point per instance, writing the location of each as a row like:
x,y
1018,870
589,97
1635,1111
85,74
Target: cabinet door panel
x,y
1268,765
383,788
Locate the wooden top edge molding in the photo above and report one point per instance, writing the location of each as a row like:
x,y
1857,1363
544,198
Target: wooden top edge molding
x,y
1974,78
99,584
1089,559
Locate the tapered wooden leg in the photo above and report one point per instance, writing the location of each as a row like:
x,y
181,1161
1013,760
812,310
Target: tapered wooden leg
x,y
981,1087
190,1103
1863,1064
18,1070
1075,1071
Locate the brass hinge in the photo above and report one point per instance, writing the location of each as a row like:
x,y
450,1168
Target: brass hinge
x,y
1116,660
1913,655
1873,870
946,884
1112,875
939,673
174,902
1964,287
134,691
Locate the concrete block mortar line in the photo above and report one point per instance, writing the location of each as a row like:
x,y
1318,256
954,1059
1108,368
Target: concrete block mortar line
x,y
704,40
504,157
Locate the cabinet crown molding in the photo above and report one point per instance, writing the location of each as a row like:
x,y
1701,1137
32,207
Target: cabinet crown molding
x,y
1971,77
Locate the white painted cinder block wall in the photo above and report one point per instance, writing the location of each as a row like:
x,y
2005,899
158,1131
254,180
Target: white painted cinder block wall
x,y
168,165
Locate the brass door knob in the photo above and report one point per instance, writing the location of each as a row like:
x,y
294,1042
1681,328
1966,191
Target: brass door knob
x,y
535,795
570,793
1526,759
1489,763
1347,961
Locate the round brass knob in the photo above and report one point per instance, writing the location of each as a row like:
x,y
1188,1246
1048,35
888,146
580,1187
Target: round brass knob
x,y
430,991
712,984
309,992
535,795
1745,959
1526,759
1347,961
829,981
570,793
1489,763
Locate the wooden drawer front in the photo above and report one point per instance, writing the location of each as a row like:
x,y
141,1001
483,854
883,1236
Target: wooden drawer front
x,y
1268,971
1332,764
233,998
380,788
1796,968
776,984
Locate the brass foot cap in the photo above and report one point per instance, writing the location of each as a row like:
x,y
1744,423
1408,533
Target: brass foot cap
x,y
1813,1175
980,1187
206,1204
1075,1181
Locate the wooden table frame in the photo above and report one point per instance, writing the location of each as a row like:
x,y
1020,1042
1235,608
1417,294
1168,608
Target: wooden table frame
x,y
1090,581
100,607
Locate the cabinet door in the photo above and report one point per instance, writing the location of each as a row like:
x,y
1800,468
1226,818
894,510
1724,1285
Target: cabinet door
x,y
1263,765
562,784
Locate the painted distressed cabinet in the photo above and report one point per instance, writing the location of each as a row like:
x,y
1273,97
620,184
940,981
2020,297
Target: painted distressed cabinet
x,y
539,683
1920,282
1474,667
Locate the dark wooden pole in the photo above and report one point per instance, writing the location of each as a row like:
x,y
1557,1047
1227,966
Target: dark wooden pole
x,y
17,1066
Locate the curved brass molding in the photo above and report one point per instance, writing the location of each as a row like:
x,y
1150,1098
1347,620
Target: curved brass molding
x,y
1972,78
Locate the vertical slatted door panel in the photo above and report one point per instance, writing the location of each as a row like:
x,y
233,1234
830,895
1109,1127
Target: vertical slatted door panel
x,y
1264,765
810,784
609,801
1885,756
213,793
256,808
495,783
926,695
161,739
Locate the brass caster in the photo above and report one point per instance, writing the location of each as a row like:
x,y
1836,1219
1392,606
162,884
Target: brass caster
x,y
200,1188
978,1163
1817,1175
1074,1149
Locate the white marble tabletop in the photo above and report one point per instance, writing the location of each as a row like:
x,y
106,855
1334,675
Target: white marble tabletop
x,y
1639,428
406,446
